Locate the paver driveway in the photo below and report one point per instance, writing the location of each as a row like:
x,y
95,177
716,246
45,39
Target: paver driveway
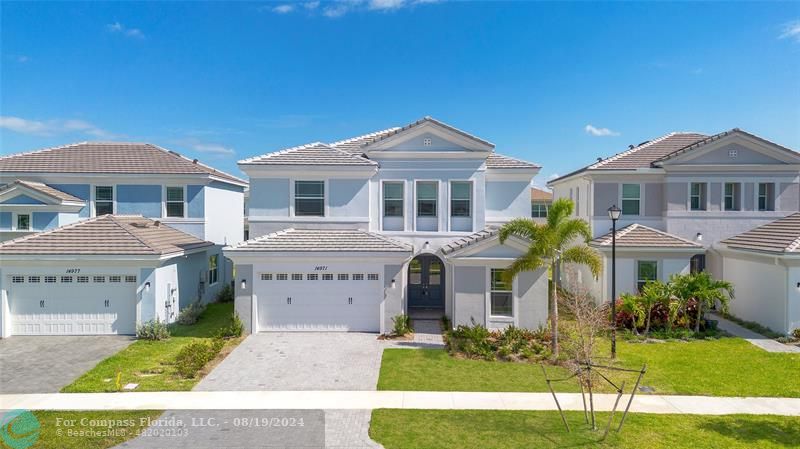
x,y
46,364
300,361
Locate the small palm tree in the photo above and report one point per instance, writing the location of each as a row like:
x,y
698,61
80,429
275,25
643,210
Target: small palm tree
x,y
704,289
652,294
551,244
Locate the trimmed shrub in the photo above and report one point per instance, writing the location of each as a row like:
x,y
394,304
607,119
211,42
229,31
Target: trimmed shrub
x,y
191,313
512,344
796,333
152,330
226,294
195,355
234,330
402,324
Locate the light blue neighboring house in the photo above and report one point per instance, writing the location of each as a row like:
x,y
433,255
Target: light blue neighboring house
x,y
46,190
348,235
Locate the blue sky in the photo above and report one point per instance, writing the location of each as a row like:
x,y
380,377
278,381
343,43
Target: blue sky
x,y
555,83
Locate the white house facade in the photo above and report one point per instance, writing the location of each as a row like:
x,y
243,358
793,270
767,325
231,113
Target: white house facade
x,y
46,191
681,194
348,235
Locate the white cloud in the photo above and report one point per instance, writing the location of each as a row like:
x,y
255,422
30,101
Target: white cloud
x,y
212,148
337,9
791,30
52,127
283,9
311,5
600,132
386,4
117,27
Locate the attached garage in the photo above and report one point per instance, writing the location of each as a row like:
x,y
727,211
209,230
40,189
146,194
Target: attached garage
x,y
100,276
72,304
319,280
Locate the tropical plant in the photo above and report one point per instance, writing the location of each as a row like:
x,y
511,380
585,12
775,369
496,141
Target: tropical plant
x,y
652,294
402,324
704,290
552,243
630,305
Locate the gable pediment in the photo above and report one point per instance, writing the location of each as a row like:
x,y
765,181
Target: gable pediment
x,y
429,136
21,198
734,149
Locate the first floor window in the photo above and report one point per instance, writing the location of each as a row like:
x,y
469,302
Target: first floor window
x,y
392,199
103,200
460,199
175,203
766,196
646,270
539,210
631,199
309,198
501,297
697,196
213,269
23,222
427,193
732,195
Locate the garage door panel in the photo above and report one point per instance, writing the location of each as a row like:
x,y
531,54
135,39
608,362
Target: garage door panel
x,y
72,308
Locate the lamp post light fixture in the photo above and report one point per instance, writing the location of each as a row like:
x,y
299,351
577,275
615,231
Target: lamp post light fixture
x,y
614,213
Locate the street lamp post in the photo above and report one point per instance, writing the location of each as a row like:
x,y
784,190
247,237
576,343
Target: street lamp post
x,y
613,213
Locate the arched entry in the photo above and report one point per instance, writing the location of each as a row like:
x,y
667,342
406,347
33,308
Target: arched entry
x,y
426,283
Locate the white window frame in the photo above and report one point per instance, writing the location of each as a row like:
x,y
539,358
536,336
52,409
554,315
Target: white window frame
x,y
216,270
738,202
438,194
489,291
402,182
774,197
622,197
164,202
93,197
636,274
325,197
706,207
15,219
544,204
471,197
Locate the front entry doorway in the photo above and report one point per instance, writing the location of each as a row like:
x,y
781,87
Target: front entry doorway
x,y
426,283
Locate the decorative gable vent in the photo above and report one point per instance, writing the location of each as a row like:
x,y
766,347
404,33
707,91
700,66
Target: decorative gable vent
x,y
733,154
426,141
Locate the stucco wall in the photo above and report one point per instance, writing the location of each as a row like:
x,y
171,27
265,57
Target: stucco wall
x,y
532,292
507,199
243,297
269,197
139,200
348,197
224,222
393,297
469,295
760,288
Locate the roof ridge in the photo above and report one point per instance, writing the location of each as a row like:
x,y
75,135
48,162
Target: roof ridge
x,y
630,150
281,151
317,144
621,232
42,150
667,234
125,228
264,237
195,161
794,245
428,118
50,231
372,134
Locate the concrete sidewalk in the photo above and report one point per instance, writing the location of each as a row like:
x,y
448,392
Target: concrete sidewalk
x,y
365,400
756,339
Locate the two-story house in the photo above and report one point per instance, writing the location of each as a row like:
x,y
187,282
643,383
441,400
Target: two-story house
x,y
348,235
99,236
680,194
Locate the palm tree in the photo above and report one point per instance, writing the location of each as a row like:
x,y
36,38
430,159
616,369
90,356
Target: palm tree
x,y
653,293
704,289
551,244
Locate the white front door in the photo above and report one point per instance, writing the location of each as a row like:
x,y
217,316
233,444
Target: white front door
x,y
72,304
343,297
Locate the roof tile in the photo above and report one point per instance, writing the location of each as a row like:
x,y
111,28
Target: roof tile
x,y
779,236
322,240
316,153
640,236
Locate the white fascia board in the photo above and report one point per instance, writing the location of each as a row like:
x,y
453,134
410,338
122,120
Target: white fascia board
x,y
648,249
705,168
782,258
50,260
287,171
422,154
751,143
64,207
450,135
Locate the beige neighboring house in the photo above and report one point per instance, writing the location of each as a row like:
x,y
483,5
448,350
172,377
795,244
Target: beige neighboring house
x,y
540,203
764,266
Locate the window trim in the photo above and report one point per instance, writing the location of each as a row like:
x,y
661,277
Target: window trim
x,y
513,318
15,221
404,199
451,199
757,207
416,200
689,197
216,269
93,197
738,203
622,198
636,274
325,198
164,208
544,204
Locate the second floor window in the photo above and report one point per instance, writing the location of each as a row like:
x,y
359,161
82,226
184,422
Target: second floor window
x,y
766,196
23,222
732,196
460,199
427,193
697,196
631,199
103,200
539,210
309,198
175,202
393,199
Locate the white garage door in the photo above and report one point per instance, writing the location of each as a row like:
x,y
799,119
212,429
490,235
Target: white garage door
x,y
72,304
331,300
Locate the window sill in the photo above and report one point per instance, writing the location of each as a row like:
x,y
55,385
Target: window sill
x,y
501,318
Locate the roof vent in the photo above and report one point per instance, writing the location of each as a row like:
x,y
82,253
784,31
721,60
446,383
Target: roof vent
x,y
157,223
646,141
194,161
630,147
599,159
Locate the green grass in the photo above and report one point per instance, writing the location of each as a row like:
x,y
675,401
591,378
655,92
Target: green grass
x,y
149,363
724,367
54,434
457,429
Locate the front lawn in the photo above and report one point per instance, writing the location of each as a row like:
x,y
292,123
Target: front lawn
x,y
60,429
489,429
149,363
724,367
